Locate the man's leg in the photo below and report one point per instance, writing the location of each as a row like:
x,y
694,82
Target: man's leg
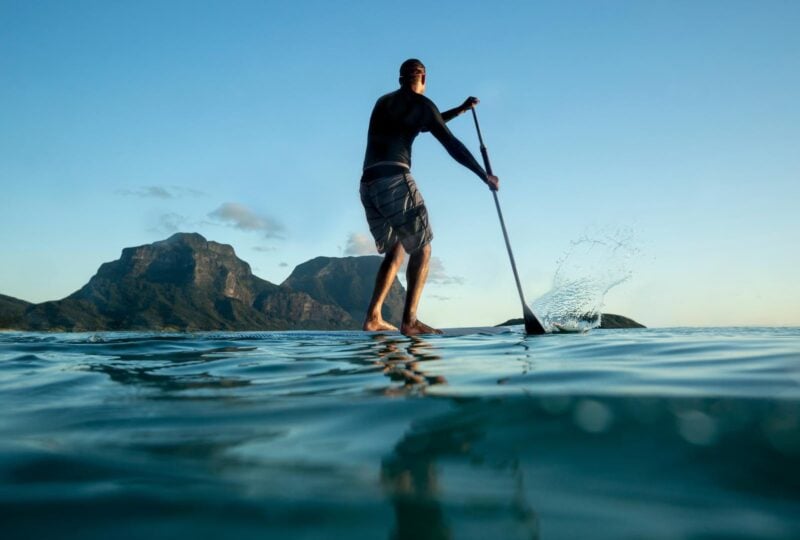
x,y
383,282
416,274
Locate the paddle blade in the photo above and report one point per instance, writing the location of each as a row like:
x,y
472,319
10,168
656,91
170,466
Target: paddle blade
x,y
532,324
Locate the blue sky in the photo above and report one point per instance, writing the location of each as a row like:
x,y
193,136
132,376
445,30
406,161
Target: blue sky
x,y
123,122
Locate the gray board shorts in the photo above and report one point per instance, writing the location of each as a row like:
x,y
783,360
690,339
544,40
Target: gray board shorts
x,y
396,212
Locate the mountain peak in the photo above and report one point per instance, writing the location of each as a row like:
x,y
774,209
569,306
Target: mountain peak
x,y
190,238
181,259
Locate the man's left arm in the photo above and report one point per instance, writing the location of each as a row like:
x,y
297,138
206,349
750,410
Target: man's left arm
x,y
468,104
456,148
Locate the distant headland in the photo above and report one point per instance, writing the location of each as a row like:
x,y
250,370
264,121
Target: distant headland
x,y
188,283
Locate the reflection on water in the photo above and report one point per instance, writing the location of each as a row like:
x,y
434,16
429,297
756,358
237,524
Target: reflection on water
x,y
410,474
147,370
403,359
650,433
412,478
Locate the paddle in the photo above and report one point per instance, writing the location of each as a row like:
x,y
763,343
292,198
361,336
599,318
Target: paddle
x,y
532,324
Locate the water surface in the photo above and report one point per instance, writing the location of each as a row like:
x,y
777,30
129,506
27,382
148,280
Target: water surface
x,y
675,433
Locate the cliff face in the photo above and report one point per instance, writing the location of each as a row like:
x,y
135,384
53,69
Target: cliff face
x,y
346,282
188,283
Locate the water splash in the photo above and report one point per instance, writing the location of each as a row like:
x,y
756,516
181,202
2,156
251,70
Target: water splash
x,y
593,265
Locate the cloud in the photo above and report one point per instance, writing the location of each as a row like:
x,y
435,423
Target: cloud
x,y
437,274
240,217
264,249
283,264
154,192
160,192
168,223
359,244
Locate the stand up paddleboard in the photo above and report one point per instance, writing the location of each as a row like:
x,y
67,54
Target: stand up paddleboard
x,y
486,331
456,332
480,330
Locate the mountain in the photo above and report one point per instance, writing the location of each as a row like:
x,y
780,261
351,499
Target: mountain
x,y
346,282
189,283
607,321
11,310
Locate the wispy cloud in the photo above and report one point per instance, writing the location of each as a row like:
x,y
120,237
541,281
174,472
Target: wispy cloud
x,y
160,192
283,264
168,223
362,244
437,274
264,249
156,192
359,244
240,217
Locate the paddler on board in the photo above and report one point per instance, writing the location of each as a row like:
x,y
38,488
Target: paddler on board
x,y
396,213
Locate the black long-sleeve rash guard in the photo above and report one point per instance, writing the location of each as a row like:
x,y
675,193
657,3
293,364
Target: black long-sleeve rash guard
x,y
397,119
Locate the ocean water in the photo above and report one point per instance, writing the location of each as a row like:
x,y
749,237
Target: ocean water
x,y
658,433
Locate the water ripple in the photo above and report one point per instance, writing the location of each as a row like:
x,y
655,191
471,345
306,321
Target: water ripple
x,y
674,433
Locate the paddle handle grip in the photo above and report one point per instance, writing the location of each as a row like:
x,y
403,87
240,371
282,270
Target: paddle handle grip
x,y
486,164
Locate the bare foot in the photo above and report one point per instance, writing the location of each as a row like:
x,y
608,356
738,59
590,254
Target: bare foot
x,y
378,325
418,327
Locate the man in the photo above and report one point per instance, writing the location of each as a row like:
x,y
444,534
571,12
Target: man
x,y
396,213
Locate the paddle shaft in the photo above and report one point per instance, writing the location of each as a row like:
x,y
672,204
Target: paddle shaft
x,y
526,310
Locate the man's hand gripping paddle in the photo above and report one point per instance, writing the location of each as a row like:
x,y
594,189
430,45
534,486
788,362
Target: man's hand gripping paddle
x,y
532,324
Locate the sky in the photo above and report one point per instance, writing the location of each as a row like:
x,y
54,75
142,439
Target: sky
x,y
122,123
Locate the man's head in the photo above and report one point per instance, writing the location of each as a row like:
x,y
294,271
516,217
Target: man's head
x,y
412,75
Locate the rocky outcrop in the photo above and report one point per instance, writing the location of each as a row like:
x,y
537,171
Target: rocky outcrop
x,y
346,282
607,321
610,320
189,283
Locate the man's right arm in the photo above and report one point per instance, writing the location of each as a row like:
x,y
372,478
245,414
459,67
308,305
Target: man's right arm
x,y
468,104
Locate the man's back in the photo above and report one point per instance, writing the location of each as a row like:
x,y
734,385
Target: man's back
x,y
397,119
